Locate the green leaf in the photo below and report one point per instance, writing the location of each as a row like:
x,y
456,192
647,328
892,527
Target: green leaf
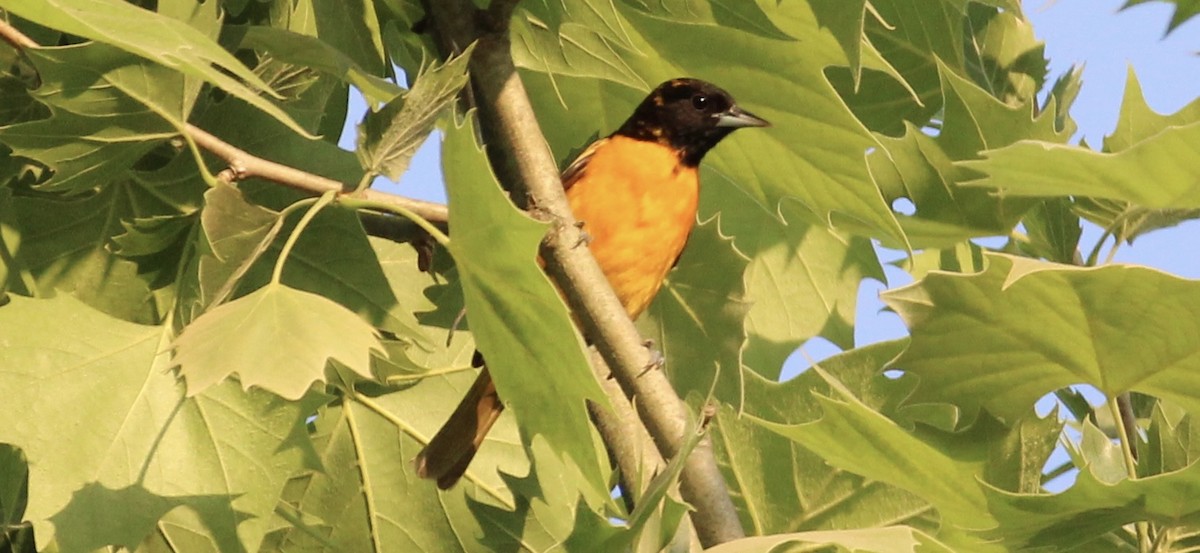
x,y
157,38
1184,10
387,139
65,246
783,487
852,437
368,498
698,317
108,110
1146,147
1005,58
334,259
235,234
1172,441
1039,169
1092,507
114,432
893,539
519,322
973,344
804,278
277,338
295,48
1053,230
580,38
351,26
922,169
1137,122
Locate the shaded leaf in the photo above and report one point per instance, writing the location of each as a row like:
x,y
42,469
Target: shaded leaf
x,y
580,38
71,251
295,48
697,318
780,486
108,109
160,39
368,497
1054,230
852,437
519,322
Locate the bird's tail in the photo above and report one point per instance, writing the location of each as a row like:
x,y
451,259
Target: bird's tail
x,y
446,457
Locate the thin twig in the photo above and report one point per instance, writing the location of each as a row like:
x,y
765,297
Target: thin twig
x,y
16,38
246,165
1126,443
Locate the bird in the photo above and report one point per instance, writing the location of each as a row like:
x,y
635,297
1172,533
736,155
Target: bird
x,y
635,193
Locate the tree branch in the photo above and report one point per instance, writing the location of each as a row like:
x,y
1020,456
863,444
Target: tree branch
x,y
524,160
246,165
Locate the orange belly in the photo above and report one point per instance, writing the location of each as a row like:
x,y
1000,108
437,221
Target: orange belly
x,y
638,216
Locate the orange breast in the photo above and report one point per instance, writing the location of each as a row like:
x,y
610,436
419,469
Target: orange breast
x,y
638,205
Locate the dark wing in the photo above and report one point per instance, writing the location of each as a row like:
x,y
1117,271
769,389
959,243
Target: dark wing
x,y
576,169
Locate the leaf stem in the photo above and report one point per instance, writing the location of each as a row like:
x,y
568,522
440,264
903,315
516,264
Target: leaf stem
x,y
1130,468
285,512
364,203
295,235
1095,253
365,181
426,374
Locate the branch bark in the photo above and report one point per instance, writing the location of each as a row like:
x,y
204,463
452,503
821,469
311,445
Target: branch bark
x,y
246,165
525,161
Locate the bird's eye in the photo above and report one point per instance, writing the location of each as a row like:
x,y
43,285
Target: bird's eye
x,y
700,102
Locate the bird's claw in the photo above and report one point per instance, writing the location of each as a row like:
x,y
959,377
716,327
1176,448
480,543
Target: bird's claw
x,y
585,239
656,358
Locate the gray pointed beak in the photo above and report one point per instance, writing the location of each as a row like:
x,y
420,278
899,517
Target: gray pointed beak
x,y
736,117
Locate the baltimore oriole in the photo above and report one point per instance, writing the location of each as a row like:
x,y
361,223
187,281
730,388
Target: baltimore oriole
x,y
635,193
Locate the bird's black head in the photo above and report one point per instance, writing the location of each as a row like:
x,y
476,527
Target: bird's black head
x,y
688,115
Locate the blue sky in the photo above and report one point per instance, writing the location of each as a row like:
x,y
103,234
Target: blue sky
x,y
1090,32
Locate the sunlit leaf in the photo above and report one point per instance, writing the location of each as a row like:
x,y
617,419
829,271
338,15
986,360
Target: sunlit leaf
x,y
114,432
277,338
973,344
